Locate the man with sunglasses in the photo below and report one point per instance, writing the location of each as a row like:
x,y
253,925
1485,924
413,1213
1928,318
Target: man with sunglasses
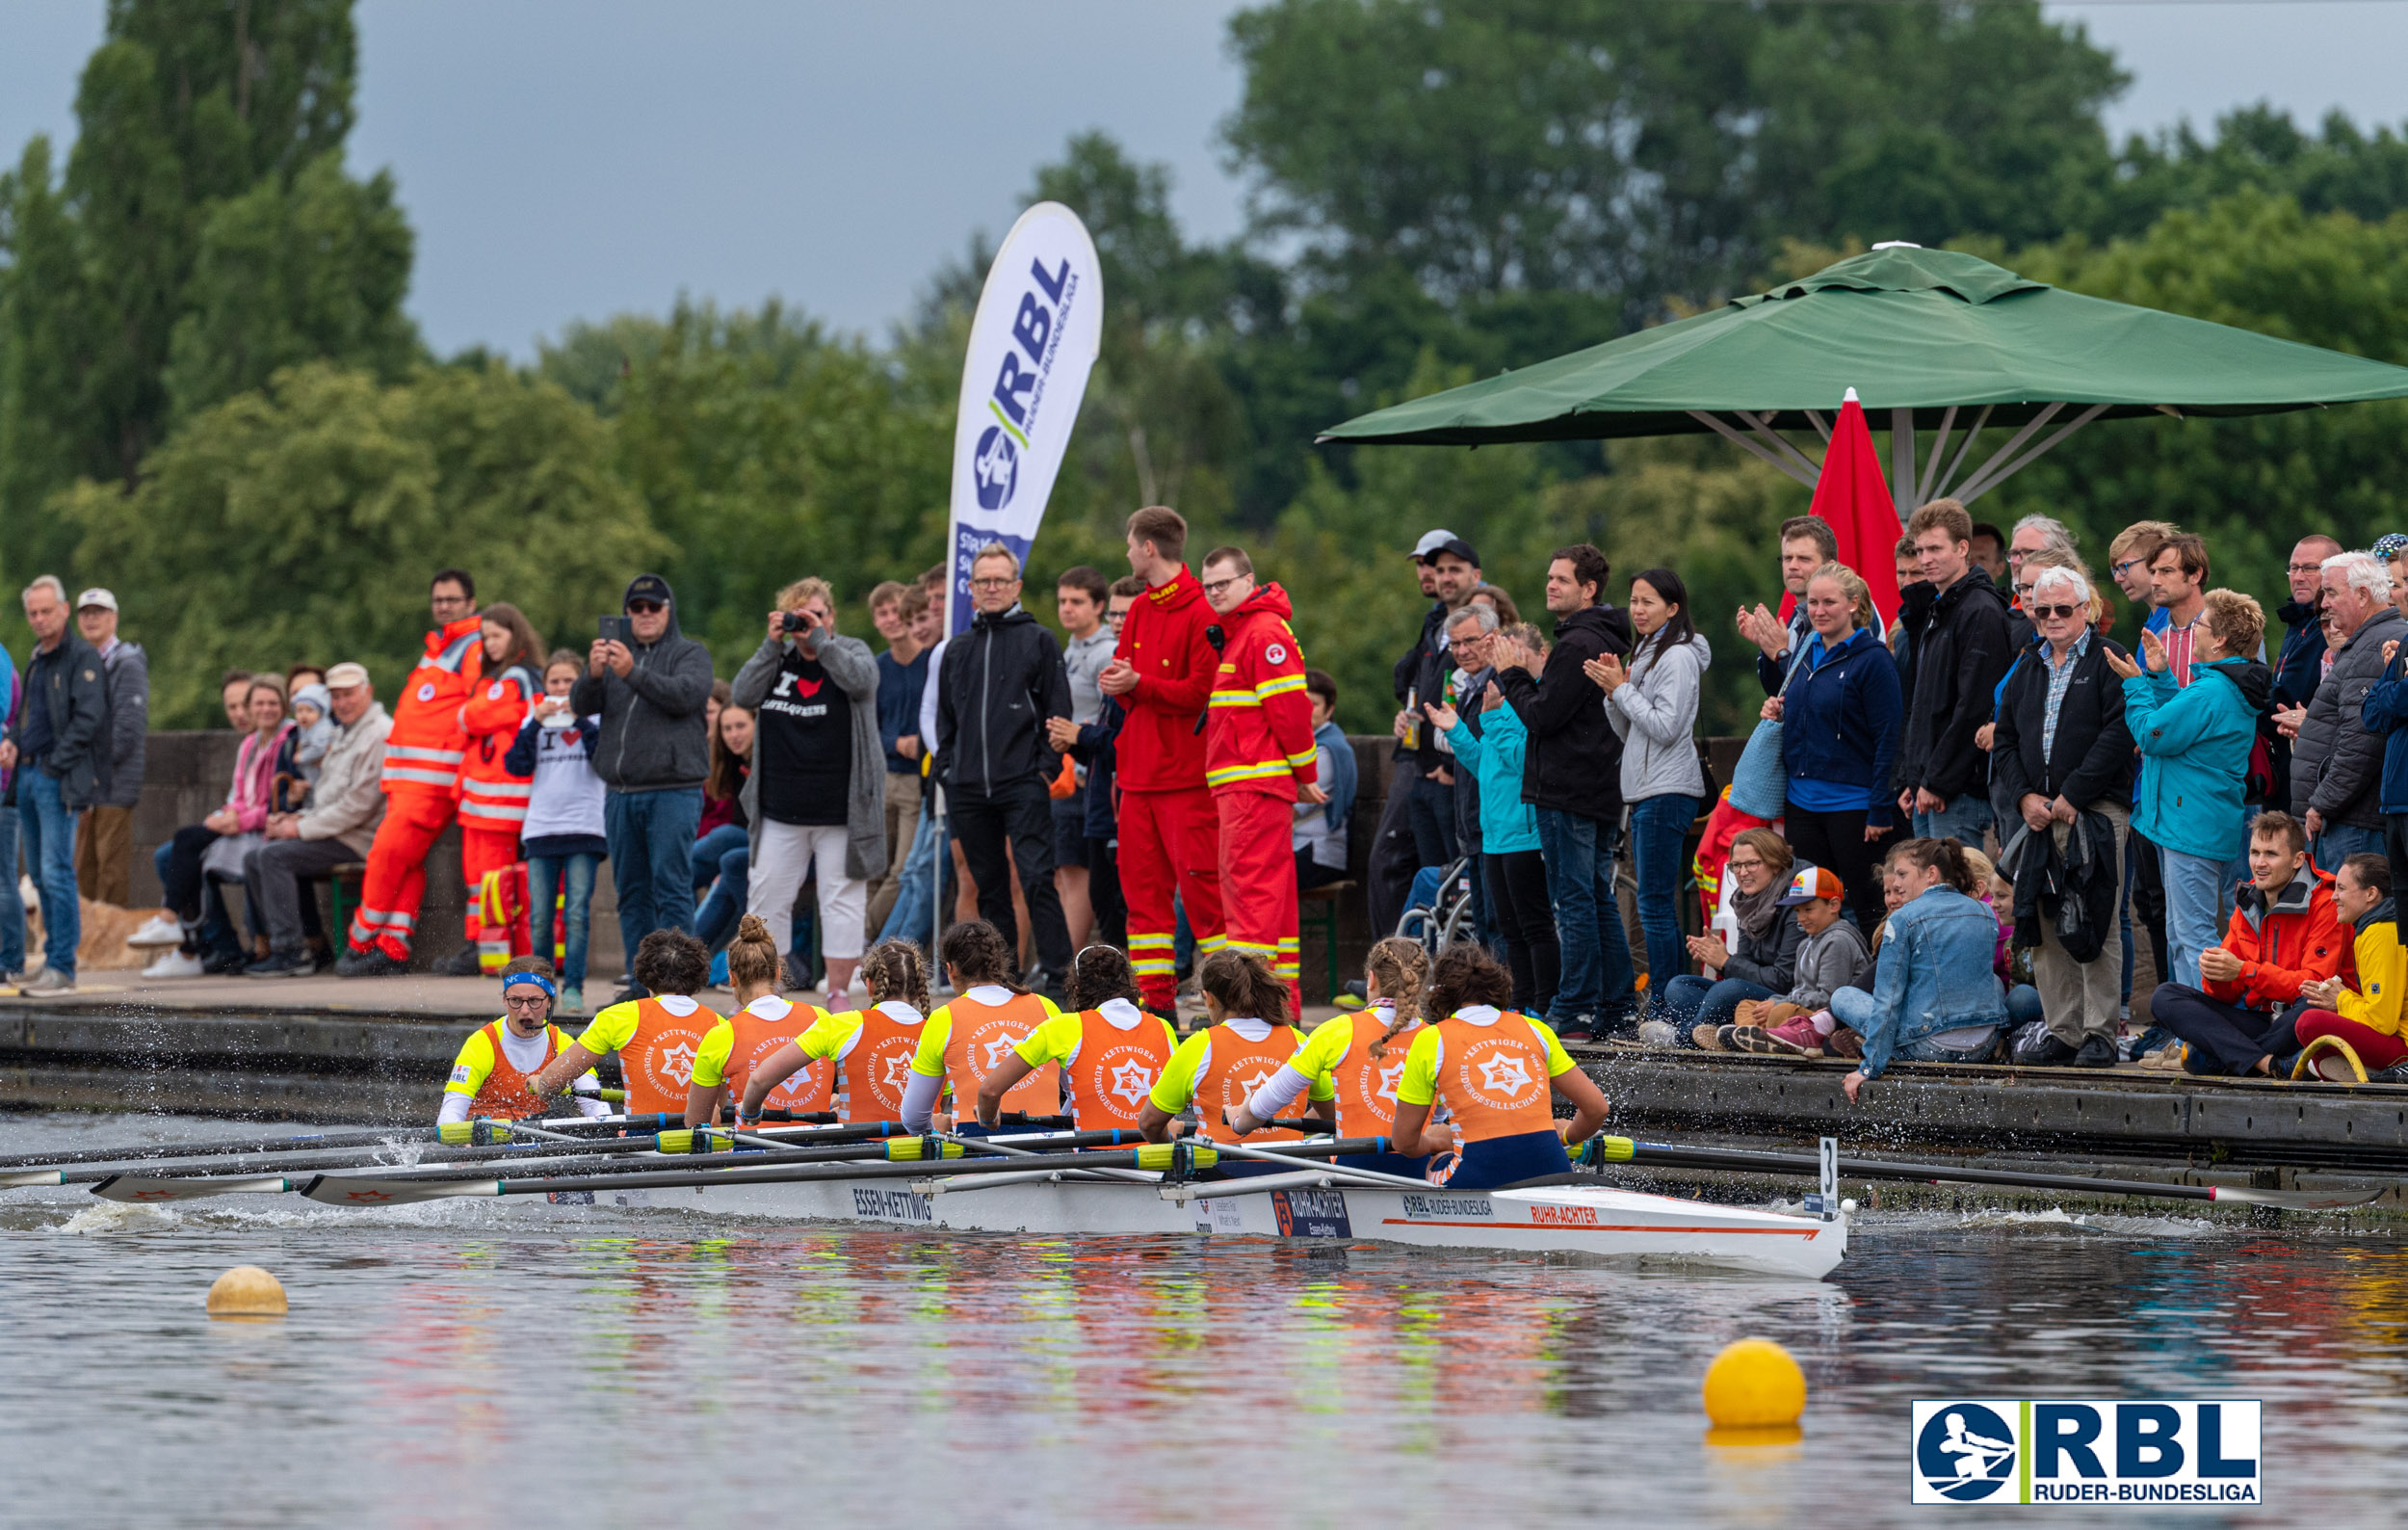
x,y
652,754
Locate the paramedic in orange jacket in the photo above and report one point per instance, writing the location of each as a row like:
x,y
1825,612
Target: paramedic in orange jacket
x,y
422,758
493,802
1257,759
1161,673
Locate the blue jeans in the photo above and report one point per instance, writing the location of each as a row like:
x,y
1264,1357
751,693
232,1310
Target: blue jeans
x,y
2022,1007
11,905
2341,841
722,862
547,878
1658,829
2194,895
1857,1010
915,900
712,846
49,825
1962,820
651,837
1597,978
1695,1000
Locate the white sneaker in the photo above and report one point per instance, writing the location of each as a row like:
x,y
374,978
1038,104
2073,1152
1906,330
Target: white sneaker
x,y
174,963
157,930
51,981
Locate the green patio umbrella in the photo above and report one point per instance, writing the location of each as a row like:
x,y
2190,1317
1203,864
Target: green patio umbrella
x,y
1936,338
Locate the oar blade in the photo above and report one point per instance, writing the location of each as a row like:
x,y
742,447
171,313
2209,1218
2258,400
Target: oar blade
x,y
2296,1200
151,1189
338,1190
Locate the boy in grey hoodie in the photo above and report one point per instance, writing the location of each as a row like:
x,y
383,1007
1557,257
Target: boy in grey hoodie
x,y
1827,959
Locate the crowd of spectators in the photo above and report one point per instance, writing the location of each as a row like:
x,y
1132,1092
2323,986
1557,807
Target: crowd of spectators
x,y
1933,848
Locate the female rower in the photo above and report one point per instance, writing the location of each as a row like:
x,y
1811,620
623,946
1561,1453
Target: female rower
x,y
761,1025
1493,1071
1219,1067
968,1039
1110,1050
872,1048
1362,1056
489,1077
657,1039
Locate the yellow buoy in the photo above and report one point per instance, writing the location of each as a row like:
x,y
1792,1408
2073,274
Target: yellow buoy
x,y
1754,1383
247,1291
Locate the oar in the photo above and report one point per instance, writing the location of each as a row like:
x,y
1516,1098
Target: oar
x,y
1666,1155
904,1163
998,1144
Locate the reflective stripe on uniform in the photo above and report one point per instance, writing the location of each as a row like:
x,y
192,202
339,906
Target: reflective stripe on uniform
x,y
500,788
1284,683
1234,699
441,756
1268,770
423,778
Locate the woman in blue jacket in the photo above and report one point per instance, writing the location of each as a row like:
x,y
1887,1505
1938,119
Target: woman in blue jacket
x,y
1935,998
2196,740
1839,721
1509,859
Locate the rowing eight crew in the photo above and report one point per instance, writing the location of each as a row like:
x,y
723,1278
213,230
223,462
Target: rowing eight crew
x,y
1466,1101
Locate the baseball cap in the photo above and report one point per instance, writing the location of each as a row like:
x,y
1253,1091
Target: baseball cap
x,y
1810,883
96,597
646,586
344,675
1432,542
1456,545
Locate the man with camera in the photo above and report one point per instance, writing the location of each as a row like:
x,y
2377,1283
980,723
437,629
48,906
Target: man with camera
x,y
1000,682
816,791
650,682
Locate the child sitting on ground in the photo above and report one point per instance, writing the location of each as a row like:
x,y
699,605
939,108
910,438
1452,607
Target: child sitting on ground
x,y
1828,958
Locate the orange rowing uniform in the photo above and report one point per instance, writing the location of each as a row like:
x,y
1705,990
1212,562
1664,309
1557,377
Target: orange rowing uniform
x,y
1494,1078
1115,1071
757,1036
656,1045
1235,1068
1367,1085
878,1066
980,1037
504,1095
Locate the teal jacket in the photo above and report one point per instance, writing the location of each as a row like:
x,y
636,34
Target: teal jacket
x,y
2196,741
1506,823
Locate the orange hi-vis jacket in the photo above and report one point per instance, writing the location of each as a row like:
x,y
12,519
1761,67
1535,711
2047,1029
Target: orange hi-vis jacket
x,y
1367,1085
426,745
1257,734
504,1095
807,1088
982,1036
878,1066
1115,1071
489,796
1494,1079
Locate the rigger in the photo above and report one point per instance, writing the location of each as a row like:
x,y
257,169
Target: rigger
x,y
1258,760
422,760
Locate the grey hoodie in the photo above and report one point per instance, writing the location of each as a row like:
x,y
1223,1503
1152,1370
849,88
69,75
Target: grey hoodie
x,y
653,736
1656,716
1826,963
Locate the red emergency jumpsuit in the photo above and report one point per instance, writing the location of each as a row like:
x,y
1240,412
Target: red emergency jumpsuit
x,y
422,756
1169,832
1258,750
492,803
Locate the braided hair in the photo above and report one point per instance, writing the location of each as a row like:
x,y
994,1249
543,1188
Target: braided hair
x,y
977,953
1245,984
1402,967
896,969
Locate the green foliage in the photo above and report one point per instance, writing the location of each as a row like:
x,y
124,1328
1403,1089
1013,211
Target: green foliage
x,y
302,519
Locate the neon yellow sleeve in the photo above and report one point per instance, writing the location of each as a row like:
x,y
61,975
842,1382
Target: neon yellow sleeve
x,y
829,1034
928,1062
1177,1085
710,1059
1325,1049
1420,1084
610,1030
472,1066
1559,1061
1054,1041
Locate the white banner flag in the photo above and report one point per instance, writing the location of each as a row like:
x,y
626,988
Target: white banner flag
x,y
1041,321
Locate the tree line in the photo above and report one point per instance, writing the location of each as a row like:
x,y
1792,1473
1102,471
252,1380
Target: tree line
x,y
212,400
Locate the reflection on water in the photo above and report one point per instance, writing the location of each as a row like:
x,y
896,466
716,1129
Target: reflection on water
x,y
473,1363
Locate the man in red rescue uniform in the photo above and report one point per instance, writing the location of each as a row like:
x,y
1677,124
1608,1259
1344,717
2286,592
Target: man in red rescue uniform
x,y
1258,760
422,757
1162,672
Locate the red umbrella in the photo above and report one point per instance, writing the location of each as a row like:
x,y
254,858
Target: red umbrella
x,y
1853,495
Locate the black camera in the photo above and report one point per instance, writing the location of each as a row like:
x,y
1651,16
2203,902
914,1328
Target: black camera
x,y
794,621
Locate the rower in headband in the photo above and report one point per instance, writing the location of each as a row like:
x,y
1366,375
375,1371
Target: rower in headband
x,y
489,1075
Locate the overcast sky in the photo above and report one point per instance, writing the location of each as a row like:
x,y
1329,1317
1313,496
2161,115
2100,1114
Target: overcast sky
x,y
568,160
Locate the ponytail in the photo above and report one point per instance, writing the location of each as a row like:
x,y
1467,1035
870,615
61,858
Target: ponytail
x,y
752,955
1245,985
1401,967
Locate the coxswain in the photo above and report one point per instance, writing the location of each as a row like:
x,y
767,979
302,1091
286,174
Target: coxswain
x,y
1219,1067
489,1076
1494,1072
869,1051
1108,1049
968,1039
764,1021
1362,1057
658,1038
